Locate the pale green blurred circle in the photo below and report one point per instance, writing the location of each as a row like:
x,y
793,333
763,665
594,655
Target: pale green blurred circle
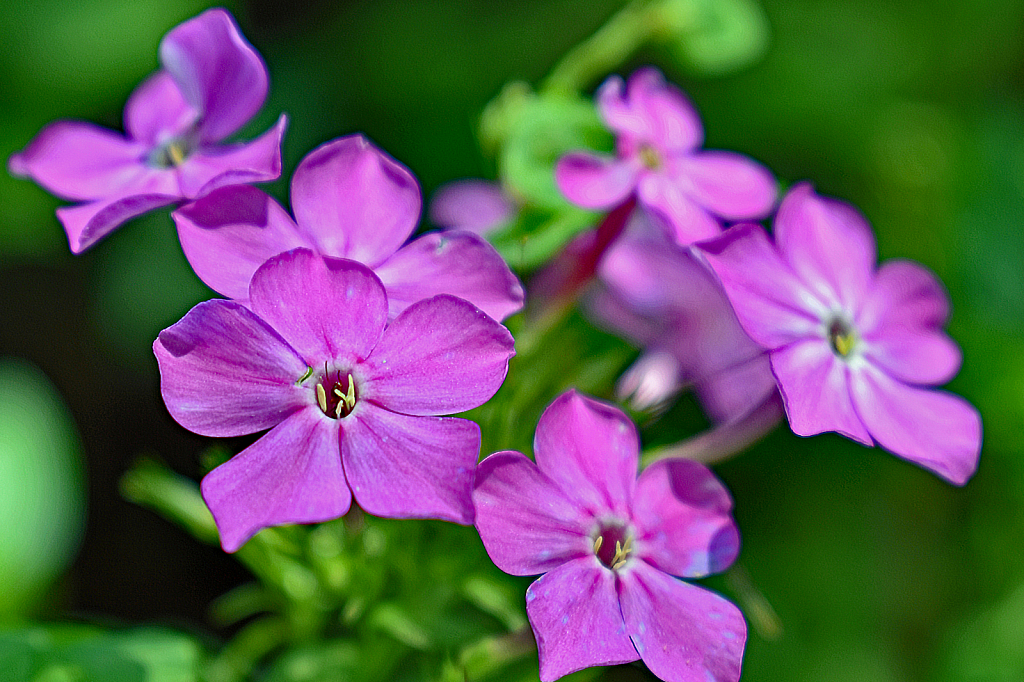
x,y
42,497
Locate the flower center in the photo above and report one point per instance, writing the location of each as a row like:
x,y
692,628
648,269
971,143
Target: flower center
x,y
649,157
842,337
613,544
171,153
335,393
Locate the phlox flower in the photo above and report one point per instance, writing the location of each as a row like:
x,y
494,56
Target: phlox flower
x,y
608,543
658,296
212,81
854,348
351,200
658,157
353,402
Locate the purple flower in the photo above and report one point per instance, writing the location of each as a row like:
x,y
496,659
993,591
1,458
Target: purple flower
x,y
476,206
854,348
660,297
351,201
352,401
658,157
608,544
211,83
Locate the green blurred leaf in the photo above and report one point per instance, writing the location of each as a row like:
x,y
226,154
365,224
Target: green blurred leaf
x,y
42,497
89,654
717,37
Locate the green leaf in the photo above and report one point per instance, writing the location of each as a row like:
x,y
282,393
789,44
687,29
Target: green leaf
x,y
85,653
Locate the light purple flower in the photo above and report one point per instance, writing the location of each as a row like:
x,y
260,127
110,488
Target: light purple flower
x,y
608,544
351,201
658,157
476,206
854,348
212,82
352,401
661,298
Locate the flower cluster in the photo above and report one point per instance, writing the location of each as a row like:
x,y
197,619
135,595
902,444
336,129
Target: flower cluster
x,y
353,343
853,348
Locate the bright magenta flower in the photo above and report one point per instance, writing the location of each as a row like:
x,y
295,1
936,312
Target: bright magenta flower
x,y
351,200
212,82
354,402
855,348
658,157
608,543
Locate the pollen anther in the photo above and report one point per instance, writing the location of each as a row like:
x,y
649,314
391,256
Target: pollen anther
x,y
321,397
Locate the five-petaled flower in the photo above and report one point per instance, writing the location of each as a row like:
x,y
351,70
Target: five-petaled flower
x,y
608,543
854,348
211,83
352,401
351,201
658,136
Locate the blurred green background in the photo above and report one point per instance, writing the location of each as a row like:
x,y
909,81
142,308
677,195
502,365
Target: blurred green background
x,y
913,111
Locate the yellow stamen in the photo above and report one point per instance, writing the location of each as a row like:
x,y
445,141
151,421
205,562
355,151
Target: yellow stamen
x,y
621,552
176,153
843,344
597,543
321,397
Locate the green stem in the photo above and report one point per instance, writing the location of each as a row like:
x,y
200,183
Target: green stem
x,y
604,51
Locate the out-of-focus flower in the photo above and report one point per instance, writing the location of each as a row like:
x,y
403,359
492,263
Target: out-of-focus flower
x,y
854,348
211,83
351,201
658,296
658,157
476,206
608,543
352,401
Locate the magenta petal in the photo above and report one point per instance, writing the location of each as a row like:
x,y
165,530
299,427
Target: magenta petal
x,y
590,450
915,356
225,372
575,616
593,181
156,111
475,206
218,71
934,429
457,263
903,294
440,356
527,524
683,517
325,308
815,387
729,185
86,224
684,633
733,392
686,222
617,112
81,161
293,474
229,233
410,467
772,304
828,244
223,165
354,201
673,123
